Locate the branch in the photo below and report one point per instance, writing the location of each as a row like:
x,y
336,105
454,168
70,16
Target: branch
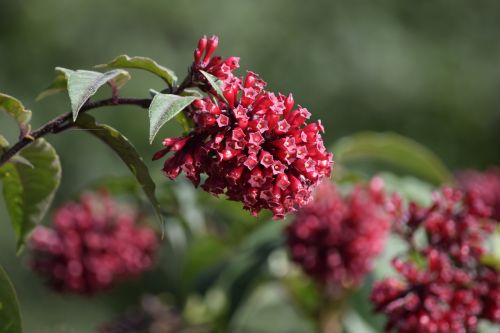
x,y
64,122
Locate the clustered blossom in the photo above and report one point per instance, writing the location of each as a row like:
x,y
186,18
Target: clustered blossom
x,y
93,244
487,186
252,145
336,239
448,289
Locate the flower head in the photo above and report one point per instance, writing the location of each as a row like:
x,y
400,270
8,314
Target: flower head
x,y
254,146
336,239
92,244
448,289
487,186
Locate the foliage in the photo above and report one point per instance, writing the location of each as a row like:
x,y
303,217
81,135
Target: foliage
x,y
219,265
10,316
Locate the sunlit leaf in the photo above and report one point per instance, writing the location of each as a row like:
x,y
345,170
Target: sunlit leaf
x,y
126,151
82,84
10,316
147,64
395,151
28,190
13,107
163,108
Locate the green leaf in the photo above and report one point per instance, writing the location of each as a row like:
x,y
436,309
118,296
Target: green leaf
x,y
59,84
215,83
16,110
4,144
10,316
394,150
19,159
408,187
126,151
28,190
354,323
116,185
147,64
202,254
492,258
192,92
163,108
245,268
83,84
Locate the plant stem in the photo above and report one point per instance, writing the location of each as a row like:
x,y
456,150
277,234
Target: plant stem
x,y
330,317
64,121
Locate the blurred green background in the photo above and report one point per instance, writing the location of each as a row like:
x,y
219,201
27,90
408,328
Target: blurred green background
x,y
425,69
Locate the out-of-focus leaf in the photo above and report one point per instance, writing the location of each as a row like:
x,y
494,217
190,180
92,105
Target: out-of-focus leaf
x,y
10,316
304,292
83,84
4,144
492,258
163,108
394,150
269,310
394,246
246,267
147,64
29,189
487,327
359,302
14,108
116,185
202,254
127,152
215,83
409,188
354,323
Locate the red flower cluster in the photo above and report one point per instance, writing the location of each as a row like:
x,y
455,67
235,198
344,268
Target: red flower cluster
x,y
487,185
336,239
448,289
252,145
93,244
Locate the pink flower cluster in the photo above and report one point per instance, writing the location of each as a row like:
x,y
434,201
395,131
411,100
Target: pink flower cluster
x,y
336,239
252,145
487,186
448,289
92,245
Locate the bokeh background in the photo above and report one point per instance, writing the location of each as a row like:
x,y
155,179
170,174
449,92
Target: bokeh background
x,y
425,69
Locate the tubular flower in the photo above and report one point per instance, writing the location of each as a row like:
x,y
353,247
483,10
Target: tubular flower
x,y
92,245
252,145
449,289
335,239
487,186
